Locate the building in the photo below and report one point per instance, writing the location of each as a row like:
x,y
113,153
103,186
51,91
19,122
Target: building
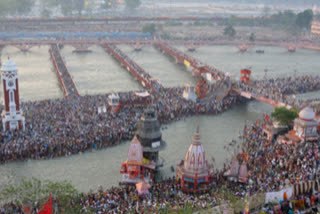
x,y
271,130
135,169
189,93
114,102
194,173
305,127
236,172
12,115
149,134
315,27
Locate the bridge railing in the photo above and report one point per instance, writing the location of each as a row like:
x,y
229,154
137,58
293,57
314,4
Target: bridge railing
x,y
68,85
145,78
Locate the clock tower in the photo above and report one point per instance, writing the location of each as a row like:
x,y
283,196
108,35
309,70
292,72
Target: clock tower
x,y
12,115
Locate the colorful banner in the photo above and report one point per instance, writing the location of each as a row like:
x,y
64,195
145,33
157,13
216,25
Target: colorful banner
x,y
187,63
277,196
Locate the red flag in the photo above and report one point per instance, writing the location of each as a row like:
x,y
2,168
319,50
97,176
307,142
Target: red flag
x,y
47,208
267,118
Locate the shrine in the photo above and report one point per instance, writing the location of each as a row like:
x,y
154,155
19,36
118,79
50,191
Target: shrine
x,y
305,127
135,169
194,173
189,93
12,115
245,75
114,102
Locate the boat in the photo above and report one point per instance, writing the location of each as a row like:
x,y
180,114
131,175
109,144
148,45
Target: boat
x,y
260,51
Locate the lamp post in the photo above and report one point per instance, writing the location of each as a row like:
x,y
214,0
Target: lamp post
x,y
305,131
265,73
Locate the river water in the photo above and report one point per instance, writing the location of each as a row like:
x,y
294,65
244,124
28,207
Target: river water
x,y
89,170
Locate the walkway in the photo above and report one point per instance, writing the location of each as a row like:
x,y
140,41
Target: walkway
x,y
138,72
198,66
68,86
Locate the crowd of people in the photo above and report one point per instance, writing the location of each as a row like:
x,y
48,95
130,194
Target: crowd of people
x,y
64,127
277,89
272,166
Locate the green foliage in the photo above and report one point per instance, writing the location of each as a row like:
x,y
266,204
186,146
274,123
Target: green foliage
x,y
23,6
229,31
284,116
166,36
174,23
285,18
266,11
34,190
149,28
132,4
67,7
15,7
79,5
304,19
252,37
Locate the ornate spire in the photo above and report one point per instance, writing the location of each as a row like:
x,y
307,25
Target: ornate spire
x,y
196,137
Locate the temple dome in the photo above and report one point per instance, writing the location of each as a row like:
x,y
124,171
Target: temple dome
x,y
9,66
195,159
135,155
307,114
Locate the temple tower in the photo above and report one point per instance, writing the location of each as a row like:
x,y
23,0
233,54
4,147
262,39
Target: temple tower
x,y
149,134
12,115
194,173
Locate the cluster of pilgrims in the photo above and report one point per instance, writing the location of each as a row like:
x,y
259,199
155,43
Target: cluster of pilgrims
x,y
237,172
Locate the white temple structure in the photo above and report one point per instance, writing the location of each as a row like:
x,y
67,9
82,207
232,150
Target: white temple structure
x,y
305,126
189,93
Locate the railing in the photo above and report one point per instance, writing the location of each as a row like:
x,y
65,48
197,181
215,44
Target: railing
x,y
144,78
68,85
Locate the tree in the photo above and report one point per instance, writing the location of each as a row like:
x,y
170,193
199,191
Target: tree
x,y
149,28
66,8
304,19
5,7
132,4
266,11
79,5
252,37
285,18
34,190
20,7
284,115
229,31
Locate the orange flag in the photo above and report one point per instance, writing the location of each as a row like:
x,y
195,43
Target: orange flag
x,y
47,208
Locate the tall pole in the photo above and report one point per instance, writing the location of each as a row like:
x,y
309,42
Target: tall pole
x,y
265,73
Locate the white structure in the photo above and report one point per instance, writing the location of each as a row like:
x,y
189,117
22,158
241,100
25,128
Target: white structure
x,y
12,116
113,100
194,173
189,93
305,126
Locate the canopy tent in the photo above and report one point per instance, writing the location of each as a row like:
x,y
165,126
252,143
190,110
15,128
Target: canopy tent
x,y
142,94
243,173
